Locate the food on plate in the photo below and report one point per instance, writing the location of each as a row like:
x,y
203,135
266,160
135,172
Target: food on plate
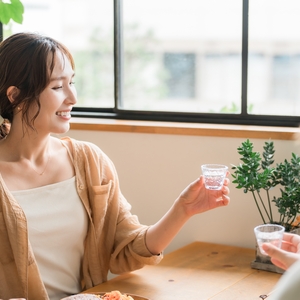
x,y
114,295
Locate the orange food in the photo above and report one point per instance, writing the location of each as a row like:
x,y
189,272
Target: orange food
x,y
116,295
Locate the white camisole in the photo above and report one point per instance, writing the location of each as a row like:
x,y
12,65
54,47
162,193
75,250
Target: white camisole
x,y
57,227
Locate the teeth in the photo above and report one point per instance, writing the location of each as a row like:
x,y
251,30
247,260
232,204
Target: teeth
x,y
63,113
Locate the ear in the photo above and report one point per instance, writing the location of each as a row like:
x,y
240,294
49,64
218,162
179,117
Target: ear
x,y
11,93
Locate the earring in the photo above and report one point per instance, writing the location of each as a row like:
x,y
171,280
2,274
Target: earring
x,y
18,108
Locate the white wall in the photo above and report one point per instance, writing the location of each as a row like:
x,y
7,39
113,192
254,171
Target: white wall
x,y
154,168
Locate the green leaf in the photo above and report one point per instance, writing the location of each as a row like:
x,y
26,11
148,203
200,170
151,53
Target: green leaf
x,y
255,174
13,10
4,13
17,10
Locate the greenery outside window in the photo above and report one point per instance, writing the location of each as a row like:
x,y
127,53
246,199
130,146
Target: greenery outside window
x,y
217,61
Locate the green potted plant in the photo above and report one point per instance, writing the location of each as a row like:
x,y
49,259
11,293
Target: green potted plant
x,y
258,174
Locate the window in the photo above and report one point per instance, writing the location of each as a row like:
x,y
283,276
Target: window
x,y
216,61
273,60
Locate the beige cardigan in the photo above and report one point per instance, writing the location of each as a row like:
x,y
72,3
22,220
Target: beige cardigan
x,y
115,240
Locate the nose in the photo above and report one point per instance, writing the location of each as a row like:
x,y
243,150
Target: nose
x,y
71,96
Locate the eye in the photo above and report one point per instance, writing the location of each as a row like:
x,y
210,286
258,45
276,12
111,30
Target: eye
x,y
72,83
57,87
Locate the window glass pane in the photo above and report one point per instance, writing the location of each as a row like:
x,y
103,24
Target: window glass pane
x,y
182,55
274,57
181,70
86,28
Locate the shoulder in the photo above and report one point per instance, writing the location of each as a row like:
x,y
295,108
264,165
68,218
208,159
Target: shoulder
x,y
88,156
77,145
83,150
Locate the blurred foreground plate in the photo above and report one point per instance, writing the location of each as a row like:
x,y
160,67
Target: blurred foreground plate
x,y
93,296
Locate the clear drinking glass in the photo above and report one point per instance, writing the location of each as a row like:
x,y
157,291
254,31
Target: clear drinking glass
x,y
269,233
214,175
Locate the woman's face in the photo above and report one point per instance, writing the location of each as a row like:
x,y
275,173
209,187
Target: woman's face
x,y
57,99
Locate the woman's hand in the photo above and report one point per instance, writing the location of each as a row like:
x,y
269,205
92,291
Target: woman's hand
x,y
197,199
289,252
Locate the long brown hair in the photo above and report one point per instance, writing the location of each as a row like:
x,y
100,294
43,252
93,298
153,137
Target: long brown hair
x,y
26,62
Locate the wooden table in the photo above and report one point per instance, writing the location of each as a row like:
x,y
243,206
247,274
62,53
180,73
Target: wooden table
x,y
198,271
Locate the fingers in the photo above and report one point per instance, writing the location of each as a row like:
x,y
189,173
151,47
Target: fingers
x,y
225,190
223,201
279,264
226,200
287,246
200,199
200,180
226,181
291,238
279,257
287,262
288,237
291,242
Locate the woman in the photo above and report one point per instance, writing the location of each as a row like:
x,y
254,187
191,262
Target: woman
x,y
64,221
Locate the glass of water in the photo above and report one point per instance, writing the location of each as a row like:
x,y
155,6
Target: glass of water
x,y
269,233
214,175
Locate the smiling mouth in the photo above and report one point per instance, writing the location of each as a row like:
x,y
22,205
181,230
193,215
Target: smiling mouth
x,y
63,113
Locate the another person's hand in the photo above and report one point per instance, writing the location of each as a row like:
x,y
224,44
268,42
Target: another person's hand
x,y
197,199
289,252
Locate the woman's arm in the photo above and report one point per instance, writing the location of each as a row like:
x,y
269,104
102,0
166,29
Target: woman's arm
x,y
194,199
